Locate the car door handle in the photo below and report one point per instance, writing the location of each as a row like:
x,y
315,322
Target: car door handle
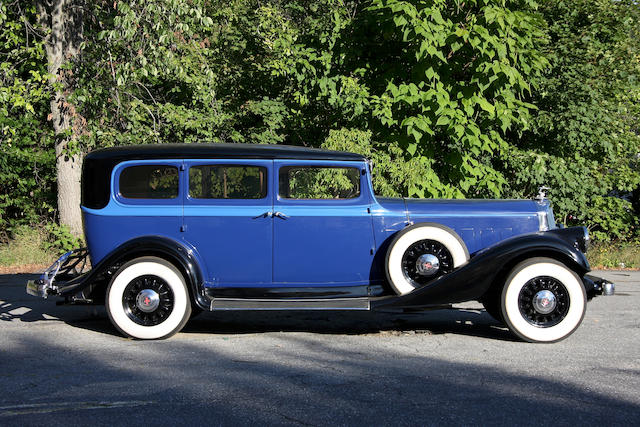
x,y
268,214
280,215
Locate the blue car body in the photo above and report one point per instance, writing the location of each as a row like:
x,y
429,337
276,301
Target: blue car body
x,y
323,242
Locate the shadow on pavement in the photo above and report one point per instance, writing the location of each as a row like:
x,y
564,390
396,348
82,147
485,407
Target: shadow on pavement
x,y
301,380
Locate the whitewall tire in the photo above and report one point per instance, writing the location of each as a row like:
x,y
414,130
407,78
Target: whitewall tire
x,y
421,253
148,299
543,300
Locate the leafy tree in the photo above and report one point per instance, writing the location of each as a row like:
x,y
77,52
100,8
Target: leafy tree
x,y
439,100
163,71
584,140
477,98
27,173
457,78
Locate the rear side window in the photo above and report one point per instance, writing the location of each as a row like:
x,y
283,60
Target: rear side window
x,y
149,182
302,182
227,182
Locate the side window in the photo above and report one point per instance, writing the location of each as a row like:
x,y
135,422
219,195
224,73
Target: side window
x,y
309,182
149,182
227,182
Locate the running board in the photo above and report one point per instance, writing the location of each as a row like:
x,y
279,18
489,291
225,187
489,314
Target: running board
x,y
290,304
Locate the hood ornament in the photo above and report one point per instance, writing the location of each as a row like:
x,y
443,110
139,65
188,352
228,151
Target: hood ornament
x,y
542,193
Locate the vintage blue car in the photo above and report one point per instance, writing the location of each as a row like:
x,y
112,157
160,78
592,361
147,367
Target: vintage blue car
x,y
174,229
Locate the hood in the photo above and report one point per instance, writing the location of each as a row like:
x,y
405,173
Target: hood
x,y
479,222
474,206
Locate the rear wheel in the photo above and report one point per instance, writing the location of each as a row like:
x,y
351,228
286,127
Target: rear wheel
x,y
543,300
148,299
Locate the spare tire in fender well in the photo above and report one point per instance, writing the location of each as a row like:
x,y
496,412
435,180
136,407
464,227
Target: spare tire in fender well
x,y
409,239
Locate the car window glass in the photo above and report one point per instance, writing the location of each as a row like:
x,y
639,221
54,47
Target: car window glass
x,y
301,182
149,182
227,182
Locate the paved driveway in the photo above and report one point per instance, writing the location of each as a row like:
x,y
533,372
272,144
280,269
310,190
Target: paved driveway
x,y
67,365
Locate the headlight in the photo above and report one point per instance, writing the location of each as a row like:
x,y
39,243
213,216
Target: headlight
x,y
586,239
582,240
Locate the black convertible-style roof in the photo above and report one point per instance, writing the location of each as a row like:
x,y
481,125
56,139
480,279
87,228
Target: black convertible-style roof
x,y
191,151
98,164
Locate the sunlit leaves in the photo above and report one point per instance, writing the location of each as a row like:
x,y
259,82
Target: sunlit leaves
x,y
584,140
478,59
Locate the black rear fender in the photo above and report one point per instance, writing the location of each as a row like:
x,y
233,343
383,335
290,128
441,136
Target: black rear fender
x,y
93,284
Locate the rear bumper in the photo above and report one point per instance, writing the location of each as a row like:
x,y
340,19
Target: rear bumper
x,y
37,288
61,276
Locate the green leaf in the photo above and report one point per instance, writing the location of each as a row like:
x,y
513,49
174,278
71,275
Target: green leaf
x,y
442,120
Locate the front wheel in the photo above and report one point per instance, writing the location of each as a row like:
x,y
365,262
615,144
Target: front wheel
x,y
543,300
148,299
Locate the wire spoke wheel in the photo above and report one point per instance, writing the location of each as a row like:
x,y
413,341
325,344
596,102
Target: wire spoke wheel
x,y
425,260
421,253
148,300
544,301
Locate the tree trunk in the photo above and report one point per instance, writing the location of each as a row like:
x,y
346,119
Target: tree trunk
x,y
64,20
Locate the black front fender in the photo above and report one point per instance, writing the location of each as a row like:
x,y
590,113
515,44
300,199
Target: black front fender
x,y
162,247
491,265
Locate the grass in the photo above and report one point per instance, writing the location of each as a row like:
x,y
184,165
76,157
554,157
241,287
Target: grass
x,y
615,255
25,250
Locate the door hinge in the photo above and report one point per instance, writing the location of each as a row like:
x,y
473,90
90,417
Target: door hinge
x,y
183,228
182,167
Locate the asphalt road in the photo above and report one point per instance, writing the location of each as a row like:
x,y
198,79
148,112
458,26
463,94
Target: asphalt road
x,y
67,365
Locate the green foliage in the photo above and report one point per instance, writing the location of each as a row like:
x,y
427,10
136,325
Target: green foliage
x,y
58,238
476,98
584,140
27,174
178,71
36,244
457,82
615,254
392,174
149,73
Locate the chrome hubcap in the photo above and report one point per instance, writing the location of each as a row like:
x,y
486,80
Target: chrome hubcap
x,y
147,300
427,265
544,302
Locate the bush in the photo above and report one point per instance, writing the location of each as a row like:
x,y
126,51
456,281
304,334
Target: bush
x,y
60,240
615,254
584,140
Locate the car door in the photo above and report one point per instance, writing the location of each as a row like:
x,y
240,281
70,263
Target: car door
x,y
227,219
322,224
